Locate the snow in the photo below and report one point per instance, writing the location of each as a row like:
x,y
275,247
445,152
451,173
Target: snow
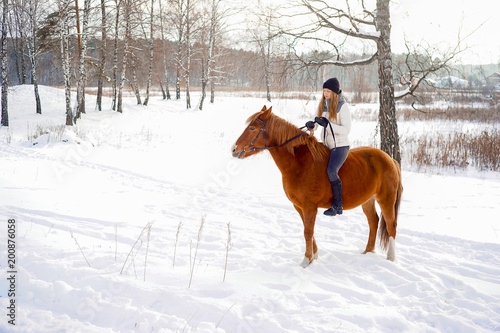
x,y
86,194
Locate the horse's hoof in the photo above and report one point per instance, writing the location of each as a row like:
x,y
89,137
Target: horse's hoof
x,y
306,262
315,256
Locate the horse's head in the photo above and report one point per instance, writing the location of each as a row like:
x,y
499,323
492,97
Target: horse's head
x,y
253,138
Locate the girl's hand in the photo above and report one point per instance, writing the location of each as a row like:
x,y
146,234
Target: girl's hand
x,y
310,125
321,121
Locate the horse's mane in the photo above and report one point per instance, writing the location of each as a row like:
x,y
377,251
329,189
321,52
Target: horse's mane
x,y
283,130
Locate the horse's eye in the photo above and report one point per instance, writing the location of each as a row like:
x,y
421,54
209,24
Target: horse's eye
x,y
251,128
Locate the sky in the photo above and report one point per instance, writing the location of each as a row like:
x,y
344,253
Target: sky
x,y
439,22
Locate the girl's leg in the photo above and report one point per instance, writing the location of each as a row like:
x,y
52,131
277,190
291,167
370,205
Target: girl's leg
x,y
337,158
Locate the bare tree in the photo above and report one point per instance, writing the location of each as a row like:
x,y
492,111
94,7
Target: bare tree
x,y
264,34
126,16
355,21
419,63
3,53
190,22
179,22
63,27
118,5
151,52
33,50
134,83
164,73
214,17
368,25
18,29
82,39
102,62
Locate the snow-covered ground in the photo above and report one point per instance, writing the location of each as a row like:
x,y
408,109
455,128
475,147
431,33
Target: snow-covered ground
x,y
86,260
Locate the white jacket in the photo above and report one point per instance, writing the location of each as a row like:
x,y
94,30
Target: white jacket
x,y
341,129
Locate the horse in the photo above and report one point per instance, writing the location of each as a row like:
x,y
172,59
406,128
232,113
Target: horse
x,y
368,175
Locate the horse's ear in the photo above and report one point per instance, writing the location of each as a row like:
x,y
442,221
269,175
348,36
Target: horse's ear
x,y
263,108
267,113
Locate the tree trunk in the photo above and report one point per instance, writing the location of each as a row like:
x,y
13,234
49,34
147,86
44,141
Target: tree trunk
x,y
63,27
17,26
151,56
126,17
164,77
188,55
212,92
207,71
389,138
5,113
115,55
203,87
135,84
102,64
32,50
82,69
178,86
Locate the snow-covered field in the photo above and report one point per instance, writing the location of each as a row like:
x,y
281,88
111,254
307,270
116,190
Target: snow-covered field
x,y
108,217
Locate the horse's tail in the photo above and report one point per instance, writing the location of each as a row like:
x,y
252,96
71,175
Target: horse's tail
x,y
383,234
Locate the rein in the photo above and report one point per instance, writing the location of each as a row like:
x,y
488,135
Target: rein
x,y
263,130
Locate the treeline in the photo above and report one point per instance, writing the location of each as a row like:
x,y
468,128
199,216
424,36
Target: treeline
x,y
140,44
166,45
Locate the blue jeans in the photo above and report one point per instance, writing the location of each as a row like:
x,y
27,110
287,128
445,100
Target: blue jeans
x,y
337,158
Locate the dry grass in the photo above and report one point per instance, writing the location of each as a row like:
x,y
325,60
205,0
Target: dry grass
x,y
490,114
456,150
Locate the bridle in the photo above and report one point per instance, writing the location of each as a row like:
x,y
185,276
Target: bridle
x,y
263,130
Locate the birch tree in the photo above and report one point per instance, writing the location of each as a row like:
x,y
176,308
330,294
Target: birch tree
x,y
134,83
189,52
33,50
215,16
102,62
164,75
118,5
355,21
179,22
263,36
18,29
151,52
126,16
3,65
83,36
264,48
360,23
63,28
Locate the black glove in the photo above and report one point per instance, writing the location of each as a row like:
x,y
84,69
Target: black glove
x,y
321,121
310,125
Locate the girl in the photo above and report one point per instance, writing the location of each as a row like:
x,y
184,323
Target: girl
x,y
334,117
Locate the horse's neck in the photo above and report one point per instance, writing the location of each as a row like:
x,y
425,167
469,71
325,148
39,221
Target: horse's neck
x,y
286,162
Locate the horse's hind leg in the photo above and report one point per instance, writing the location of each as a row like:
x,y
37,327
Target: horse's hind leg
x,y
388,233
372,216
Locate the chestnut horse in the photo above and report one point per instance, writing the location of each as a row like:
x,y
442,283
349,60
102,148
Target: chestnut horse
x,y
368,175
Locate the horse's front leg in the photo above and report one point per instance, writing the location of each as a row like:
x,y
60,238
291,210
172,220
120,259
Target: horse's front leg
x,y
309,219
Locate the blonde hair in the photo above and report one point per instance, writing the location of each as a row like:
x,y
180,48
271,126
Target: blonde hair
x,y
332,107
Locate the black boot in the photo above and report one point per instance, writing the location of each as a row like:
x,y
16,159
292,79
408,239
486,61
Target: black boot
x,y
336,207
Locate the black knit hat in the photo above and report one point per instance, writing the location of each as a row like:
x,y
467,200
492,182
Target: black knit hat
x,y
333,84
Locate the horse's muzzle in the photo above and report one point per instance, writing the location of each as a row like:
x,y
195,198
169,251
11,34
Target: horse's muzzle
x,y
237,154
